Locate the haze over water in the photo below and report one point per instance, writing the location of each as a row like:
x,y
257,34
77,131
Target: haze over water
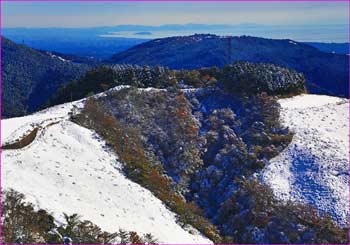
x,y
322,33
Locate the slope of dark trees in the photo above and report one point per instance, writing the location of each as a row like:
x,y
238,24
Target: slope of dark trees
x,y
30,77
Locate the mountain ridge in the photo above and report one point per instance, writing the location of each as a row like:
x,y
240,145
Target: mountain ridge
x,y
326,73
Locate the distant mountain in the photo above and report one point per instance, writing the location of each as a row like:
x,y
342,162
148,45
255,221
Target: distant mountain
x,y
29,77
338,48
326,73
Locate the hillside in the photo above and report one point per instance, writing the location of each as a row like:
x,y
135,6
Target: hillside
x,y
326,73
148,153
86,178
30,77
157,160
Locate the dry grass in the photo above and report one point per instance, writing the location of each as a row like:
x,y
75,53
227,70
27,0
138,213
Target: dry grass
x,y
23,142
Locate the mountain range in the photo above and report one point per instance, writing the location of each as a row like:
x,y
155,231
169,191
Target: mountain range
x,y
188,139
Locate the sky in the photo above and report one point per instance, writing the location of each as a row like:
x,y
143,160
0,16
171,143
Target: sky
x,y
89,14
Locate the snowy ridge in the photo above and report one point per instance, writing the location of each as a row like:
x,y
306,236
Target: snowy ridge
x,y
67,168
14,128
17,127
314,168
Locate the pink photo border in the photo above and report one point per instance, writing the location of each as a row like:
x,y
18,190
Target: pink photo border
x,y
158,1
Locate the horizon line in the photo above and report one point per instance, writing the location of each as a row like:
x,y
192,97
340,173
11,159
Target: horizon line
x,y
170,24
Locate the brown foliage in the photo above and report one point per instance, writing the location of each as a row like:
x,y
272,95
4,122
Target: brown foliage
x,y
126,142
23,142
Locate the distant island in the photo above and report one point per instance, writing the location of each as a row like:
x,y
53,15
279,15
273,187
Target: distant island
x,y
143,33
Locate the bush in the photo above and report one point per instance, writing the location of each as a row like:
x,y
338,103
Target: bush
x,y
250,78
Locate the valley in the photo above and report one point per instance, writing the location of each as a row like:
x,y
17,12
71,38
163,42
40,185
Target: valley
x,y
95,180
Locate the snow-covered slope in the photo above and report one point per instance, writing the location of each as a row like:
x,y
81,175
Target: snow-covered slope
x,y
315,166
68,169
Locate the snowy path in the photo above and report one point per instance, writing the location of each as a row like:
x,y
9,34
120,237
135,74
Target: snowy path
x,y
67,169
314,168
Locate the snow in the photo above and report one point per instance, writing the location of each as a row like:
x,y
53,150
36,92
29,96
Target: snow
x,y
59,57
67,168
14,128
292,42
314,167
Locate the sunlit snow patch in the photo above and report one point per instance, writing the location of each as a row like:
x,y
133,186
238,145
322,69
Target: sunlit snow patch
x,y
314,167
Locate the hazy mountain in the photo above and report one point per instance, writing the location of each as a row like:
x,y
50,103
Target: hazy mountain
x,y
29,77
326,73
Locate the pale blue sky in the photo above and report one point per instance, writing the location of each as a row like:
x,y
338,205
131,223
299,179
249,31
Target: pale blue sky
x,y
79,14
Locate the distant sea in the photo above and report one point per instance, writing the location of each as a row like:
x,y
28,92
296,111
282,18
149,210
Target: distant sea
x,y
322,33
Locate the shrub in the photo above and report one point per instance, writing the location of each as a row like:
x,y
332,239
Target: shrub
x,y
22,224
250,78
